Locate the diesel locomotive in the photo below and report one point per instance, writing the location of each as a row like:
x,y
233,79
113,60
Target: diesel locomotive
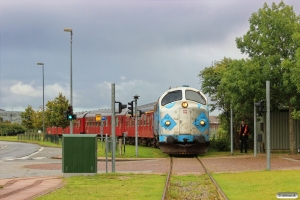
x,y
178,123
181,121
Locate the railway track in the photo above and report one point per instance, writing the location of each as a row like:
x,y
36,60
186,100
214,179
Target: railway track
x,y
187,166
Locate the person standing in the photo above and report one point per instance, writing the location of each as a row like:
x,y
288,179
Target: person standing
x,y
244,134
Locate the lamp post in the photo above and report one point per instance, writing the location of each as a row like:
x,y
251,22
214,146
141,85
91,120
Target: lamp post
x,y
71,92
43,97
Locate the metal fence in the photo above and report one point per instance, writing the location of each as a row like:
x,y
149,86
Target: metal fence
x,y
39,137
52,138
31,136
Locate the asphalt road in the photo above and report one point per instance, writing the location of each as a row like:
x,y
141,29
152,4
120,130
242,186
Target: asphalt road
x,y
15,155
13,150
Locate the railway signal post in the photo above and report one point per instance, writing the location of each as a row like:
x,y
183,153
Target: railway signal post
x,y
113,124
136,97
268,125
261,108
113,129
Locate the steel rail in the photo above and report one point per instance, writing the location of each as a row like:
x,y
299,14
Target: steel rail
x,y
168,179
221,193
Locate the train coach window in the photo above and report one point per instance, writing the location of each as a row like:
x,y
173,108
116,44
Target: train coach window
x,y
171,97
195,96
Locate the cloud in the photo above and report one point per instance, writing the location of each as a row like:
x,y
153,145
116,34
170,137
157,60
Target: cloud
x,y
144,47
24,90
52,91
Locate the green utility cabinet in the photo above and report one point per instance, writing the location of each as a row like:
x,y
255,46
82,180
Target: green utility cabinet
x,y
79,153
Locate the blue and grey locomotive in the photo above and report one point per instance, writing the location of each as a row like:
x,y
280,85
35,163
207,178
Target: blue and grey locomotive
x,y
181,121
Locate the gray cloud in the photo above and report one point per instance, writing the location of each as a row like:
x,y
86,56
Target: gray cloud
x,y
144,47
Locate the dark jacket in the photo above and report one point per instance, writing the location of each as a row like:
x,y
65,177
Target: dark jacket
x,y
244,130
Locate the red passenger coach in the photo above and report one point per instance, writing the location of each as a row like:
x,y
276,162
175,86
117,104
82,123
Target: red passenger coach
x,y
145,131
124,125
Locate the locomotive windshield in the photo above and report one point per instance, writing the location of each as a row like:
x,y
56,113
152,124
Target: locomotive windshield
x,y
171,97
195,96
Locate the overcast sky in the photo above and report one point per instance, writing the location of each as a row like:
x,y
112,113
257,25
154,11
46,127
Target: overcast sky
x,y
144,47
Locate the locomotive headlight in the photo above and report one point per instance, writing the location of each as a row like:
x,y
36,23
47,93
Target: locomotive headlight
x,y
184,104
168,123
202,123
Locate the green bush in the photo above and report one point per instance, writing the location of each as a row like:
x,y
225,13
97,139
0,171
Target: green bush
x,y
11,129
220,144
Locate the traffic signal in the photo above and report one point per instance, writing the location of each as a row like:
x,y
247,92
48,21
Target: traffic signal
x,y
69,113
121,106
261,107
140,113
130,109
73,117
70,109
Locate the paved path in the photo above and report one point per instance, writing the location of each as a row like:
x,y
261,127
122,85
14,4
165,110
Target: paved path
x,y
28,188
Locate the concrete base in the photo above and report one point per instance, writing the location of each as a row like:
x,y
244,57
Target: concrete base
x,y
66,175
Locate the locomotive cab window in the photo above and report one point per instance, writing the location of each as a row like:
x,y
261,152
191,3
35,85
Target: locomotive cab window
x,y
171,97
195,96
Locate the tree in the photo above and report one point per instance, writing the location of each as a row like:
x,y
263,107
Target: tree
x,y
28,118
210,79
235,85
54,114
38,120
272,42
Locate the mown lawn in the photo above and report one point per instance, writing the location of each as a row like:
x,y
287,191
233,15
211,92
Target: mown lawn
x,y
237,186
259,184
110,187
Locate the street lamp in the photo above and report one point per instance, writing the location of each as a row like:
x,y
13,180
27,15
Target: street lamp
x,y
43,97
71,98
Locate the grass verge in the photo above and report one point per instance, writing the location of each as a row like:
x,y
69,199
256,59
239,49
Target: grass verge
x,y
236,186
110,186
258,185
41,143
